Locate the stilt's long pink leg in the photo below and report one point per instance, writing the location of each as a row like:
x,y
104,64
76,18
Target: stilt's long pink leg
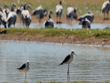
x,y
68,76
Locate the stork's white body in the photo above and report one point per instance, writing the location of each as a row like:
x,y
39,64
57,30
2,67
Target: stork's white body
x,y
59,8
70,10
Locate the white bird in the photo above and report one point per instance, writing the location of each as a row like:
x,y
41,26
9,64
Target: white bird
x,y
71,13
59,11
6,10
68,59
26,17
3,19
19,9
106,8
89,16
12,16
24,68
86,23
40,13
49,22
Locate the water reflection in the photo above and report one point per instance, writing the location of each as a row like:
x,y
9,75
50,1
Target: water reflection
x,y
92,63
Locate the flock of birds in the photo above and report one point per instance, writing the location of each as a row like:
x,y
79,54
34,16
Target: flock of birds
x,y
10,16
68,59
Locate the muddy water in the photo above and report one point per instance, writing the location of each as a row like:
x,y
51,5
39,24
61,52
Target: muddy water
x,y
66,26
92,63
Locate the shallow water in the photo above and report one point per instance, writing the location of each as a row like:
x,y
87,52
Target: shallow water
x,y
66,26
92,63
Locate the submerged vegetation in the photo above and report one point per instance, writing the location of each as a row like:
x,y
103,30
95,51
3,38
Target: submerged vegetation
x,y
50,32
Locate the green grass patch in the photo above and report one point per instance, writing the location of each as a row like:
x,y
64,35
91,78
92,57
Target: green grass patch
x,y
51,32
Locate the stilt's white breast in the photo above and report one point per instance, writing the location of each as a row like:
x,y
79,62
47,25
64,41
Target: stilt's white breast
x,y
70,60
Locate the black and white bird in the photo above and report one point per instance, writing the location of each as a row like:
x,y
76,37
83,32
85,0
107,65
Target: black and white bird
x,y
59,11
86,23
49,22
6,10
26,17
71,13
89,16
68,59
24,68
12,16
3,19
40,13
105,9
19,9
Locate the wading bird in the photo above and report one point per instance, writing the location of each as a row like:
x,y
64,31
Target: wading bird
x,y
89,16
12,16
59,11
24,68
71,13
19,10
49,22
68,60
26,17
40,13
6,10
3,19
86,23
106,9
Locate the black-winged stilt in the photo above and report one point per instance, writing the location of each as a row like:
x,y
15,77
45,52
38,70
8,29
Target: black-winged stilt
x,y
24,68
68,59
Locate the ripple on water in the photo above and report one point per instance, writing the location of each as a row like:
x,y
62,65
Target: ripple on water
x,y
92,63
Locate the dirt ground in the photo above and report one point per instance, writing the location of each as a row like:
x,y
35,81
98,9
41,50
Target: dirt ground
x,y
64,20
62,39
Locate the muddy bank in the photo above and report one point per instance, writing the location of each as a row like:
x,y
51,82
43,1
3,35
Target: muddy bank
x,y
74,39
64,20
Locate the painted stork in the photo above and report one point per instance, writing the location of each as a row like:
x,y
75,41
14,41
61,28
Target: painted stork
x,y
71,13
68,59
59,11
86,23
12,16
49,22
3,19
26,17
40,13
6,10
106,9
89,16
24,68
19,9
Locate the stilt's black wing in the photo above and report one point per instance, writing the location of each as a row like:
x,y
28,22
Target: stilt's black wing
x,y
22,67
66,59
